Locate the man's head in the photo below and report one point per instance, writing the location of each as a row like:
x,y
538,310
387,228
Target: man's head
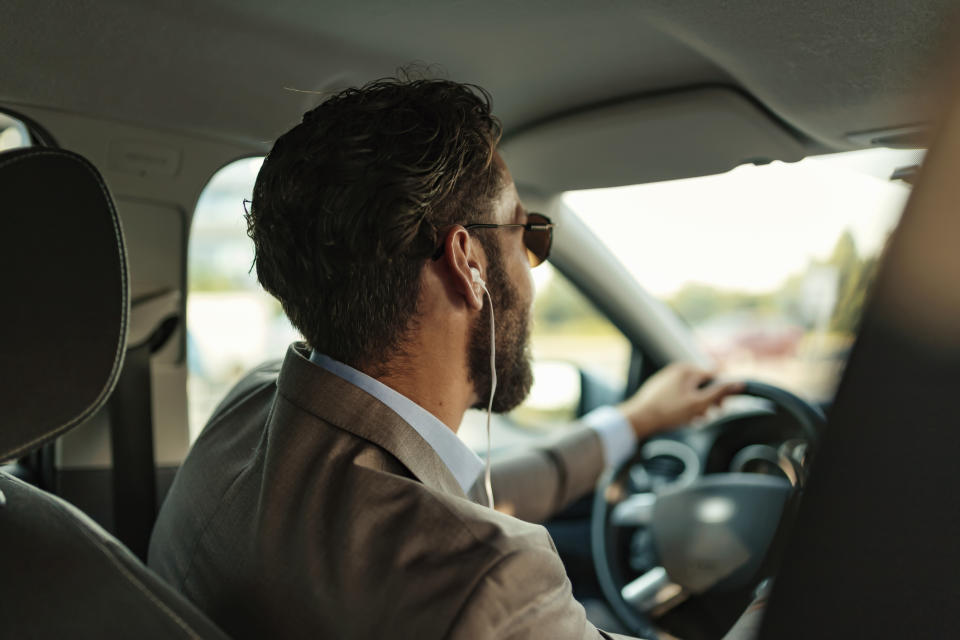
x,y
352,202
511,302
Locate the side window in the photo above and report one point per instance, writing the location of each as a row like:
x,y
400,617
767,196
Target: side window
x,y
13,134
232,323
571,341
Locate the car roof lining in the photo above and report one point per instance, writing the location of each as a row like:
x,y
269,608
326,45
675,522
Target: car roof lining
x,y
244,71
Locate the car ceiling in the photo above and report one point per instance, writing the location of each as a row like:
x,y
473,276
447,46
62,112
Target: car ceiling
x,y
244,71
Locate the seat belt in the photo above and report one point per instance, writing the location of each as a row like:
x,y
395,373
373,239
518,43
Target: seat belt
x,y
131,442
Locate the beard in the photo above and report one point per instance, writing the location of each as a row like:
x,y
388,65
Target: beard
x,y
512,317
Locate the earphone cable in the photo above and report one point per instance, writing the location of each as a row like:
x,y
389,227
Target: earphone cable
x,y
488,485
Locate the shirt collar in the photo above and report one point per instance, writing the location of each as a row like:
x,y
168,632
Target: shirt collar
x,y
463,463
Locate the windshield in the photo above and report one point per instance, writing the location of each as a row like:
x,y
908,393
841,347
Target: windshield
x,y
769,265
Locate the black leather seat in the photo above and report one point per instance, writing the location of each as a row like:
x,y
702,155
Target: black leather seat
x,y
62,343
876,546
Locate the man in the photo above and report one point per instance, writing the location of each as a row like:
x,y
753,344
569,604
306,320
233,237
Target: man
x,y
336,500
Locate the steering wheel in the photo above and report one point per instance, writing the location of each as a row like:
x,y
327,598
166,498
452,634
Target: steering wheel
x,y
702,533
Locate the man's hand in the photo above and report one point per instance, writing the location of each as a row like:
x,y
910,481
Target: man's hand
x,y
672,397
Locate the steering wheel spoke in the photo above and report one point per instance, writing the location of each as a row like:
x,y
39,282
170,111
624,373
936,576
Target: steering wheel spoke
x,y
653,593
634,511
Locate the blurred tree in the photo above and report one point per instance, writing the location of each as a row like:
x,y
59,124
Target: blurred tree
x,y
697,302
856,274
211,279
853,296
560,303
560,308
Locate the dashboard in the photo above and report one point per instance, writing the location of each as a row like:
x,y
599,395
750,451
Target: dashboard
x,y
759,440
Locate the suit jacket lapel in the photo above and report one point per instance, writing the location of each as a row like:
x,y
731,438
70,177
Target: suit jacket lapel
x,y
334,400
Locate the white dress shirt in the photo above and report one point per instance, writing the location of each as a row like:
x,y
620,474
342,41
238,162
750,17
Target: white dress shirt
x,y
616,435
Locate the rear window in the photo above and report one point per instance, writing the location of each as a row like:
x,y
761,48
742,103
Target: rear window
x,y
232,323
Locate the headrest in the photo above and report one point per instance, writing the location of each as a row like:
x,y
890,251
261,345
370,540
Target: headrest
x,y
63,325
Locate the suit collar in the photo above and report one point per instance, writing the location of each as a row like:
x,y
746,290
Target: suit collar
x,y
334,400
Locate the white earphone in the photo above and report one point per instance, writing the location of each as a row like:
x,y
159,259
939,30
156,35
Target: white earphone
x,y
478,280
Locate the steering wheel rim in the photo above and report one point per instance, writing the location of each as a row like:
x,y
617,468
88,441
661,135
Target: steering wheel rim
x,y
809,418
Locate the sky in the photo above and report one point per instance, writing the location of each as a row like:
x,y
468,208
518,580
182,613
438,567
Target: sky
x,y
752,227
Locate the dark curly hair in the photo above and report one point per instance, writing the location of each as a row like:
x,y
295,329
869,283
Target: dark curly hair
x,y
349,203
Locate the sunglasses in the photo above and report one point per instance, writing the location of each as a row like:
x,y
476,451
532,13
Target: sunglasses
x,y
537,236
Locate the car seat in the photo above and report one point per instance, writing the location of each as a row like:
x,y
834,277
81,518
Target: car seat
x,y
62,346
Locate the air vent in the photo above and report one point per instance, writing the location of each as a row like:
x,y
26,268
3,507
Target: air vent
x,y
665,466
669,461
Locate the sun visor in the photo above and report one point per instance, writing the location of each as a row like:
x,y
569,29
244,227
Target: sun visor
x,y
663,137
66,303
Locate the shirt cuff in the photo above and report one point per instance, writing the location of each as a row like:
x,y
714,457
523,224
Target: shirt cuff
x,y
617,437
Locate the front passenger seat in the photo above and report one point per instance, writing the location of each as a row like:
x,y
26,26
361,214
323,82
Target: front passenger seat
x,y
62,343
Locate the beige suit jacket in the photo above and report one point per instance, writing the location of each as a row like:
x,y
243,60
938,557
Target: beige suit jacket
x,y
307,508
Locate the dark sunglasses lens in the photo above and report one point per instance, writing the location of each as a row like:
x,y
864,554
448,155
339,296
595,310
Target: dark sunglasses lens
x,y
537,241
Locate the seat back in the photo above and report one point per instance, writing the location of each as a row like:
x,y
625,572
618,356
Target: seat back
x,y
874,552
62,343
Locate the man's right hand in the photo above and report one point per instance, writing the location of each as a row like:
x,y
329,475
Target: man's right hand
x,y
674,396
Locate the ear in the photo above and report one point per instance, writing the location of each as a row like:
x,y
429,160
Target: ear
x,y
461,253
